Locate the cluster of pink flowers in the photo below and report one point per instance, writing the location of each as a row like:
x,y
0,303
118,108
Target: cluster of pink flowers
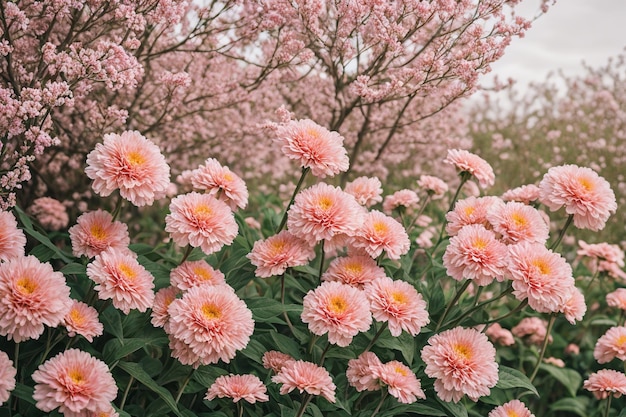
x,y
50,213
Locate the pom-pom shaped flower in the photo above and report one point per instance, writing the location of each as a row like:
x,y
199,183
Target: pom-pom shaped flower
x,y
601,251
12,239
513,408
32,295
275,360
95,232
476,254
366,191
379,233
212,322
398,304
532,327
574,308
7,377
606,382
221,182
541,276
314,147
159,317
497,334
463,362
122,279
238,387
75,382
363,372
611,345
516,222
471,210
401,382
131,163
583,193
323,211
338,309
477,167
355,270
525,194
275,254
617,298
201,221
306,377
82,319
50,213
434,187
192,273
402,200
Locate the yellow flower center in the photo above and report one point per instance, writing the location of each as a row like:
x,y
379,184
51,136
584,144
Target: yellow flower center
x,y
462,350
135,159
479,243
399,297
76,317
337,305
401,371
324,203
542,266
202,273
355,268
380,227
469,210
98,232
277,246
519,220
127,270
26,285
585,183
512,413
227,176
621,341
202,211
76,376
211,311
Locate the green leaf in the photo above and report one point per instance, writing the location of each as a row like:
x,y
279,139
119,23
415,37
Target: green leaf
x,y
41,238
112,322
512,378
74,269
254,351
455,409
118,348
264,309
576,405
23,392
286,344
568,377
405,343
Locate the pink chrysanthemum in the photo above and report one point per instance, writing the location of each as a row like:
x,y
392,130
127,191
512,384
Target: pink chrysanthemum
x,y
50,213
275,360
559,363
434,187
12,239
275,254
533,328
475,253
7,377
221,182
379,233
122,279
95,232
399,304
202,221
617,298
238,387
402,200
367,191
574,308
516,222
131,163
471,210
463,362
32,295
313,147
583,193
497,334
212,321
465,161
338,309
513,408
606,382
323,211
105,412
355,270
192,273
75,382
159,317
611,345
306,377
541,276
363,373
401,382
601,251
525,194
82,319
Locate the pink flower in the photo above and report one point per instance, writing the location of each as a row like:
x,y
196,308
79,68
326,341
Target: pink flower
x,y
306,377
7,377
275,360
471,210
238,387
32,295
131,163
338,309
617,298
355,270
221,182
313,147
611,345
541,276
500,335
476,254
517,222
12,239
192,273
399,304
513,408
572,349
583,193
433,186
82,319
601,251
465,161
212,322
105,412
574,308
606,382
463,362
534,327
275,254
75,382
366,191
50,213
525,194
401,382
555,362
380,233
201,221
401,200
95,232
122,279
159,317
323,211
362,372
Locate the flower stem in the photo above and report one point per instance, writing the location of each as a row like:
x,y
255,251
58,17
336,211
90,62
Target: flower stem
x,y
376,336
562,233
481,305
187,253
321,361
118,208
452,302
544,347
305,401
183,386
419,213
383,396
465,176
608,406
283,221
239,409
322,256
126,391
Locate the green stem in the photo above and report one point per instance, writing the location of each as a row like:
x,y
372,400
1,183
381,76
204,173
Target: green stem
x,y
419,213
516,310
322,256
183,386
544,347
562,234
305,401
465,176
595,275
118,208
187,253
282,301
239,409
283,221
452,303
608,406
456,322
376,336
383,396
126,391
324,352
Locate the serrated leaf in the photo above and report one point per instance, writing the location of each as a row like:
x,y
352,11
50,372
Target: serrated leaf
x,y
512,378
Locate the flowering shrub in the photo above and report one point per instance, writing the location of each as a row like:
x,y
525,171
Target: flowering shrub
x,y
322,305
